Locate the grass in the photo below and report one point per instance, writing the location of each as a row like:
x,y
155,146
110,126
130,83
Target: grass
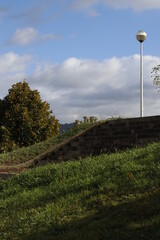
x,y
106,197
24,154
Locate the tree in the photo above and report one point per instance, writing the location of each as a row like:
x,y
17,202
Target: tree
x,y
156,76
26,117
6,142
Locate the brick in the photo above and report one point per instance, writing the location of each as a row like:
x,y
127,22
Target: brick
x,y
109,136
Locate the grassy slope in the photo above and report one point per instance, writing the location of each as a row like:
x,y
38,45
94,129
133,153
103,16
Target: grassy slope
x,y
22,155
105,197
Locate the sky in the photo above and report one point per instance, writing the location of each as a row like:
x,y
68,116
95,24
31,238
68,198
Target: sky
x,y
81,55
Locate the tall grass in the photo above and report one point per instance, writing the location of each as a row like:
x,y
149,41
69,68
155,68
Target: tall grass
x,y
106,197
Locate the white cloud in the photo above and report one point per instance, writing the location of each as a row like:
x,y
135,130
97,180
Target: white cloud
x,y
89,6
86,6
29,35
36,13
136,4
76,73
13,68
80,4
79,87
13,63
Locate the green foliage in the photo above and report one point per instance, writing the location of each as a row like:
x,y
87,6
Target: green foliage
x,y
106,197
26,117
7,144
86,120
156,75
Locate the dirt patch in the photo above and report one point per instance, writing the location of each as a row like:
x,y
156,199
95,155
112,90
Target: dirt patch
x,y
6,175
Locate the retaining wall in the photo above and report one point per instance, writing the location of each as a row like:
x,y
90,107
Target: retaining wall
x,y
107,137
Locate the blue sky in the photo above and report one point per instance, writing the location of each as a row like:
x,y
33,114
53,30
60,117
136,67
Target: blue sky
x,y
82,55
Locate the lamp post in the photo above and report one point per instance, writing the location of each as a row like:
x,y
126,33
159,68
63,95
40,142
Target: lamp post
x,y
141,37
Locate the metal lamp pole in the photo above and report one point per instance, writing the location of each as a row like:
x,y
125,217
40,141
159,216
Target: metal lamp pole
x,y
141,37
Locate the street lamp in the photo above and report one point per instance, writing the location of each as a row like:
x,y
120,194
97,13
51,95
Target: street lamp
x,y
141,37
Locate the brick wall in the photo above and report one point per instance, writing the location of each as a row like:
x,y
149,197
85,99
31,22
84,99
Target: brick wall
x,y
106,137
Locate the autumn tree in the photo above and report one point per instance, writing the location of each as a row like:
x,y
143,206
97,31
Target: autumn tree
x,y
26,118
156,76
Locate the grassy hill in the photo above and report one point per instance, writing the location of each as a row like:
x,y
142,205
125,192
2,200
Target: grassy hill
x,y
106,197
25,154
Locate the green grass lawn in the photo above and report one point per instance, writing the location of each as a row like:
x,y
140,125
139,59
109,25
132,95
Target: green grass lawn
x,y
106,197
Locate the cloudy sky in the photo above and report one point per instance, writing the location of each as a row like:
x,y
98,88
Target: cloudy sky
x,y
81,55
